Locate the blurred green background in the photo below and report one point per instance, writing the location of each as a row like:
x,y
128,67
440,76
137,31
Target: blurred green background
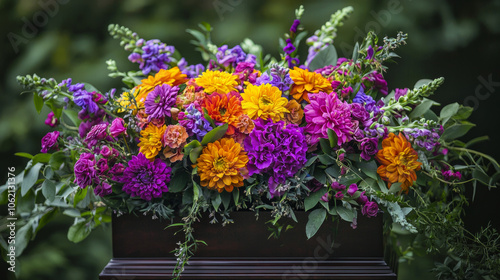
x,y
459,40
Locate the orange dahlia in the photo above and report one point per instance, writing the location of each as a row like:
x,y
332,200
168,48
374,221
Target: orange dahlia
x,y
150,141
398,161
305,82
217,81
219,165
224,108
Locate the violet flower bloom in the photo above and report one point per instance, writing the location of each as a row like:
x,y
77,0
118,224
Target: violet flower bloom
x,y
155,56
370,209
400,92
51,120
105,151
336,186
362,199
369,53
159,102
97,132
289,48
353,188
144,178
85,173
368,147
117,127
339,195
227,57
294,26
325,197
49,141
103,189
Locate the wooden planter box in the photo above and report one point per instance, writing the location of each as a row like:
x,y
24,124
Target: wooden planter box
x,y
142,250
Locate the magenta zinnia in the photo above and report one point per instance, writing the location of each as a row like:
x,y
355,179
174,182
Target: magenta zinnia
x,y
327,111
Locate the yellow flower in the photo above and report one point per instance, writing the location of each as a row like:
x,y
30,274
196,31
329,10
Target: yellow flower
x,y
398,161
150,142
217,81
126,101
306,82
264,102
219,165
172,76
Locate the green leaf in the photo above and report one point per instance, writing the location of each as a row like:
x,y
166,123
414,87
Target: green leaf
x,y
198,35
25,155
333,171
43,157
236,196
319,174
369,168
325,57
430,115
38,100
395,188
78,232
216,201
30,178
179,181
355,52
45,219
214,134
208,118
332,137
326,159
196,192
195,153
422,82
49,190
421,108
57,159
313,199
463,113
314,222
494,179
479,174
73,116
448,111
226,199
477,140
191,145
346,214
79,196
23,236
456,131
90,88
325,146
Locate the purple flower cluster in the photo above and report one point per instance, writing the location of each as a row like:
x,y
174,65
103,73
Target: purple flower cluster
x,y
450,175
192,71
368,102
160,101
400,92
194,122
83,98
144,178
375,81
424,138
49,141
279,78
295,25
275,150
85,171
315,48
245,72
97,133
328,111
155,55
231,57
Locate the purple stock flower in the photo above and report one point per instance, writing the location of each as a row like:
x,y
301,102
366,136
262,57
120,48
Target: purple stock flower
x,y
289,48
275,150
192,71
96,133
51,120
102,165
194,122
400,92
155,56
117,169
49,141
85,100
294,26
103,189
117,127
144,178
353,188
368,147
362,199
159,102
85,173
227,57
370,209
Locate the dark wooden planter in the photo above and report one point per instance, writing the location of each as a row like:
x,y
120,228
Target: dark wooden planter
x,y
142,250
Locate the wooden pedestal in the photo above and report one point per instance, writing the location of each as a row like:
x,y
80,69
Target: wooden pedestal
x,y
142,250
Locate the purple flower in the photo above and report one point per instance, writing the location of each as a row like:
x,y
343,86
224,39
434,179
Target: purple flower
x,y
362,199
49,141
314,185
369,53
275,150
194,122
325,197
155,56
144,178
192,71
96,133
376,81
339,195
159,102
294,26
85,173
289,48
103,189
368,147
370,209
400,92
353,188
292,61
336,186
102,165
117,127
359,113
105,151
51,120
233,56
117,169
328,111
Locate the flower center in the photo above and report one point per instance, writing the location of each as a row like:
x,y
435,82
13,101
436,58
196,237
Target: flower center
x,y
265,100
157,99
220,164
222,111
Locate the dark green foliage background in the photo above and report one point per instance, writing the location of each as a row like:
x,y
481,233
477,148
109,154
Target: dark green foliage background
x,y
459,40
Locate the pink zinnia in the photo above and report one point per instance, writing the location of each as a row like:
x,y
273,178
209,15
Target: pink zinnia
x,y
327,111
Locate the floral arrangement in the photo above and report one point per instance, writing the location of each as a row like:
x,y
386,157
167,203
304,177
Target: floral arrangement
x,y
324,134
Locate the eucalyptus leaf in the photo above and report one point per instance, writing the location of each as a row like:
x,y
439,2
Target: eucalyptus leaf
x,y
421,108
448,111
179,181
216,201
315,220
456,131
226,199
313,198
49,189
422,82
25,155
325,57
30,178
78,232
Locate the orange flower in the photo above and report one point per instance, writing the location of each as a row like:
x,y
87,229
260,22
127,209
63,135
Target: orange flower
x,y
224,108
399,161
150,142
295,114
306,82
219,165
172,76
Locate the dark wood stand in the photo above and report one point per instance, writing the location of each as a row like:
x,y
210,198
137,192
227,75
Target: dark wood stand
x,y
142,250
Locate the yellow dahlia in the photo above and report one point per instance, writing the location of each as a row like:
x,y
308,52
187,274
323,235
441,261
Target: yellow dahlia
x,y
305,82
399,161
264,102
150,141
219,165
217,81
